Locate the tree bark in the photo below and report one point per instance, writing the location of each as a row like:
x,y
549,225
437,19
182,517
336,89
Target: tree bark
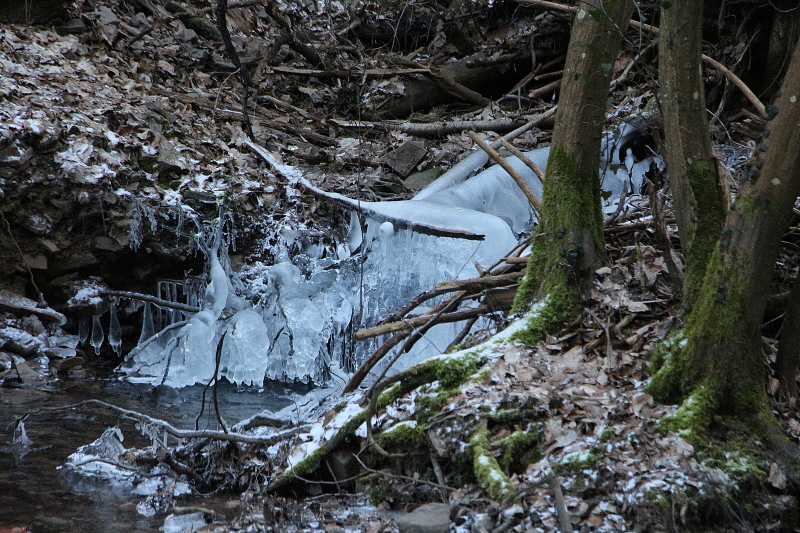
x,y
692,172
716,360
788,356
569,244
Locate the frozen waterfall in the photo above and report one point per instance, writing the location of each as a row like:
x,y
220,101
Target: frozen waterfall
x,y
297,319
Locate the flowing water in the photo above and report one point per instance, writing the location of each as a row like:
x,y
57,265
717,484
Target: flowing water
x,y
35,497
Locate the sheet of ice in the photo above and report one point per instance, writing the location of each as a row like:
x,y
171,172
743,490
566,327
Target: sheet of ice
x,y
246,349
493,191
307,305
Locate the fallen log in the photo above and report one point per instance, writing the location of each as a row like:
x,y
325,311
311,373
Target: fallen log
x,y
411,323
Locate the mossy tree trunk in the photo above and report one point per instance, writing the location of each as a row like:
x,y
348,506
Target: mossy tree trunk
x,y
569,244
692,171
788,357
715,364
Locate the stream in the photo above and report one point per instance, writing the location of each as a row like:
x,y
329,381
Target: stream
x,y
34,496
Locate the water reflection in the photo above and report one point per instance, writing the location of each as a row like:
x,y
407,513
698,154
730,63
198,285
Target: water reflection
x,y
32,494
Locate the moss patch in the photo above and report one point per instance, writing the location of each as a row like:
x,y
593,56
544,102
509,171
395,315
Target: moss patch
x,y
487,470
519,449
403,438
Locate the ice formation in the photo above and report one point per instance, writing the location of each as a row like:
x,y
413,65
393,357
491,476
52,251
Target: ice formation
x,y
299,315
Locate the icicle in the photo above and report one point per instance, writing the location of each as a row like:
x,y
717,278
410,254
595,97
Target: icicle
x,y
175,315
97,334
83,330
148,329
114,329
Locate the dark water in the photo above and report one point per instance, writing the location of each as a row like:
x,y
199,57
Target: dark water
x,y
34,497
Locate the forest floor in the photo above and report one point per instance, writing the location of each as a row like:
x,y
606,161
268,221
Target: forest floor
x,y
122,121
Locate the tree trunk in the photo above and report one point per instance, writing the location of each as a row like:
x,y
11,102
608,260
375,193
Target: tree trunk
x,y
716,359
569,244
691,168
788,356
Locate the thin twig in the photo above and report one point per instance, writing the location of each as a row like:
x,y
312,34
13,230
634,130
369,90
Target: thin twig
x,y
152,299
404,478
520,181
525,159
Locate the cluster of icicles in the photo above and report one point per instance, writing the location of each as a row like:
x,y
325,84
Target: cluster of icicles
x,y
293,320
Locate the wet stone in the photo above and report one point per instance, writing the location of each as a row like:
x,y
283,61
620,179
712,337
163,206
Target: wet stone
x,y
429,518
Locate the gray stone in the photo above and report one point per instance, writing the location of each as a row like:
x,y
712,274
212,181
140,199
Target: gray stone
x,y
481,523
419,180
403,159
429,518
21,305
26,373
19,341
72,26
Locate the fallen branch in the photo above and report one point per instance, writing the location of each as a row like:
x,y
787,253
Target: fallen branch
x,y
404,478
439,129
411,323
482,283
153,300
500,160
750,95
564,524
464,168
545,89
347,74
368,208
524,158
180,433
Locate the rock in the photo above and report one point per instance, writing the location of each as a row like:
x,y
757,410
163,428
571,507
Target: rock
x,y
27,374
63,365
107,244
33,325
21,305
35,262
164,395
403,160
481,523
429,518
60,353
72,26
343,464
19,342
15,155
419,180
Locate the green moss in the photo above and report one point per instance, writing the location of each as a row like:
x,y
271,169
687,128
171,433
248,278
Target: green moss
x,y
694,416
519,448
566,249
487,470
432,404
708,217
403,438
562,302
455,371
390,396
581,461
378,493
